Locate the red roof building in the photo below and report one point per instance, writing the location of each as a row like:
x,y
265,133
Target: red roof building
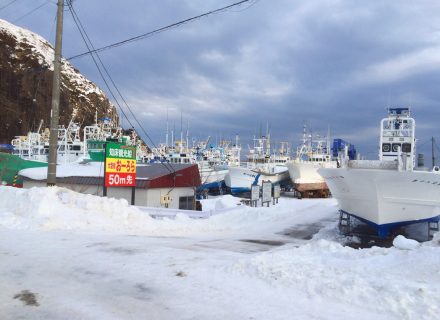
x,y
157,185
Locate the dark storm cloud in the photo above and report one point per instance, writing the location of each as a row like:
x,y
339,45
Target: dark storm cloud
x,y
328,63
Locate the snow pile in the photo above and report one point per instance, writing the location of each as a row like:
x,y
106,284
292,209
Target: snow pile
x,y
400,242
62,209
436,239
218,203
58,208
386,280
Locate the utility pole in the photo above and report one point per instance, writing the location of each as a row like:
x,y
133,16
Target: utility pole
x,y
432,151
54,119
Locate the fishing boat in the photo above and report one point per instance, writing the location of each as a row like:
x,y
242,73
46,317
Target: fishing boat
x,y
11,164
314,153
261,166
214,162
389,192
105,130
35,145
32,151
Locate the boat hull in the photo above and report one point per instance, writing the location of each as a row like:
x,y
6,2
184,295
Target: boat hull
x,y
240,179
10,165
385,198
305,175
212,178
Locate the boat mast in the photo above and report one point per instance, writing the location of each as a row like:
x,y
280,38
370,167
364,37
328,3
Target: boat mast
x,y
181,132
187,135
166,135
172,134
54,120
328,140
432,151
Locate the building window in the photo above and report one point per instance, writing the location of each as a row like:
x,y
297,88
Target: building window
x,y
186,203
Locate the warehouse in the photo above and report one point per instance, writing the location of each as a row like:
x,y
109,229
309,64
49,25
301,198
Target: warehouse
x,y
157,185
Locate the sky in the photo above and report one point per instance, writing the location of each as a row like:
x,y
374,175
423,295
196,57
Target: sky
x,y
278,64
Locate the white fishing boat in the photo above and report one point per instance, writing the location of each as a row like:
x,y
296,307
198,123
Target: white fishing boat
x,y
388,192
261,166
215,161
240,179
314,153
106,130
35,145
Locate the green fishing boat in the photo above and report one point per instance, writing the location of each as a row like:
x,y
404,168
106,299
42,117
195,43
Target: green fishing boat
x,y
11,164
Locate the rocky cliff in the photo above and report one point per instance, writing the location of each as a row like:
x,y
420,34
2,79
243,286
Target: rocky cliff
x,y
26,69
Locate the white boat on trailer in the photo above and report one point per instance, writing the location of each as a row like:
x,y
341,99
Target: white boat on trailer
x,y
261,166
240,179
389,192
314,153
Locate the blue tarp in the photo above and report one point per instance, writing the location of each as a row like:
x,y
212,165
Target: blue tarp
x,y
6,147
339,146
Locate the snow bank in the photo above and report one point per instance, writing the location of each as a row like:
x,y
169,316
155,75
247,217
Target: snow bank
x,y
57,208
370,278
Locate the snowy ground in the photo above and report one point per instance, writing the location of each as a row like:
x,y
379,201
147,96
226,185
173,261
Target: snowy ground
x,y
69,256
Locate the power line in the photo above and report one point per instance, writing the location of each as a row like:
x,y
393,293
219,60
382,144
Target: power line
x,y
7,5
32,11
148,34
89,46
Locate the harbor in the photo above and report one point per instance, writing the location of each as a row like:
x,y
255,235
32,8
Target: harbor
x,y
219,160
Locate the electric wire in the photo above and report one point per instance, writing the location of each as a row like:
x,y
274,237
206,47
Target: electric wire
x,y
32,11
7,5
169,167
162,29
89,45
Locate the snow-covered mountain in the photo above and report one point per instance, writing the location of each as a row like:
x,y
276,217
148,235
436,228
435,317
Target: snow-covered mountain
x,y
26,66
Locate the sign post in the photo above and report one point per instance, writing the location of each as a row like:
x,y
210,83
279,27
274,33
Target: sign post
x,y
276,193
120,167
267,193
255,195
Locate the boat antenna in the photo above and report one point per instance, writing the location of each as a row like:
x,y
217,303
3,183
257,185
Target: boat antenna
x,y
166,134
39,127
304,133
181,132
328,139
54,120
172,134
187,134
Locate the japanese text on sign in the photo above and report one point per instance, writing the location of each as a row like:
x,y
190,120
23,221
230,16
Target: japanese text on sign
x,y
120,167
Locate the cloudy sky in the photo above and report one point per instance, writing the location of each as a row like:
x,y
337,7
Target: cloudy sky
x,y
282,62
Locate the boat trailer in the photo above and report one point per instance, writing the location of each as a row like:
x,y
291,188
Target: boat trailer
x,y
349,226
